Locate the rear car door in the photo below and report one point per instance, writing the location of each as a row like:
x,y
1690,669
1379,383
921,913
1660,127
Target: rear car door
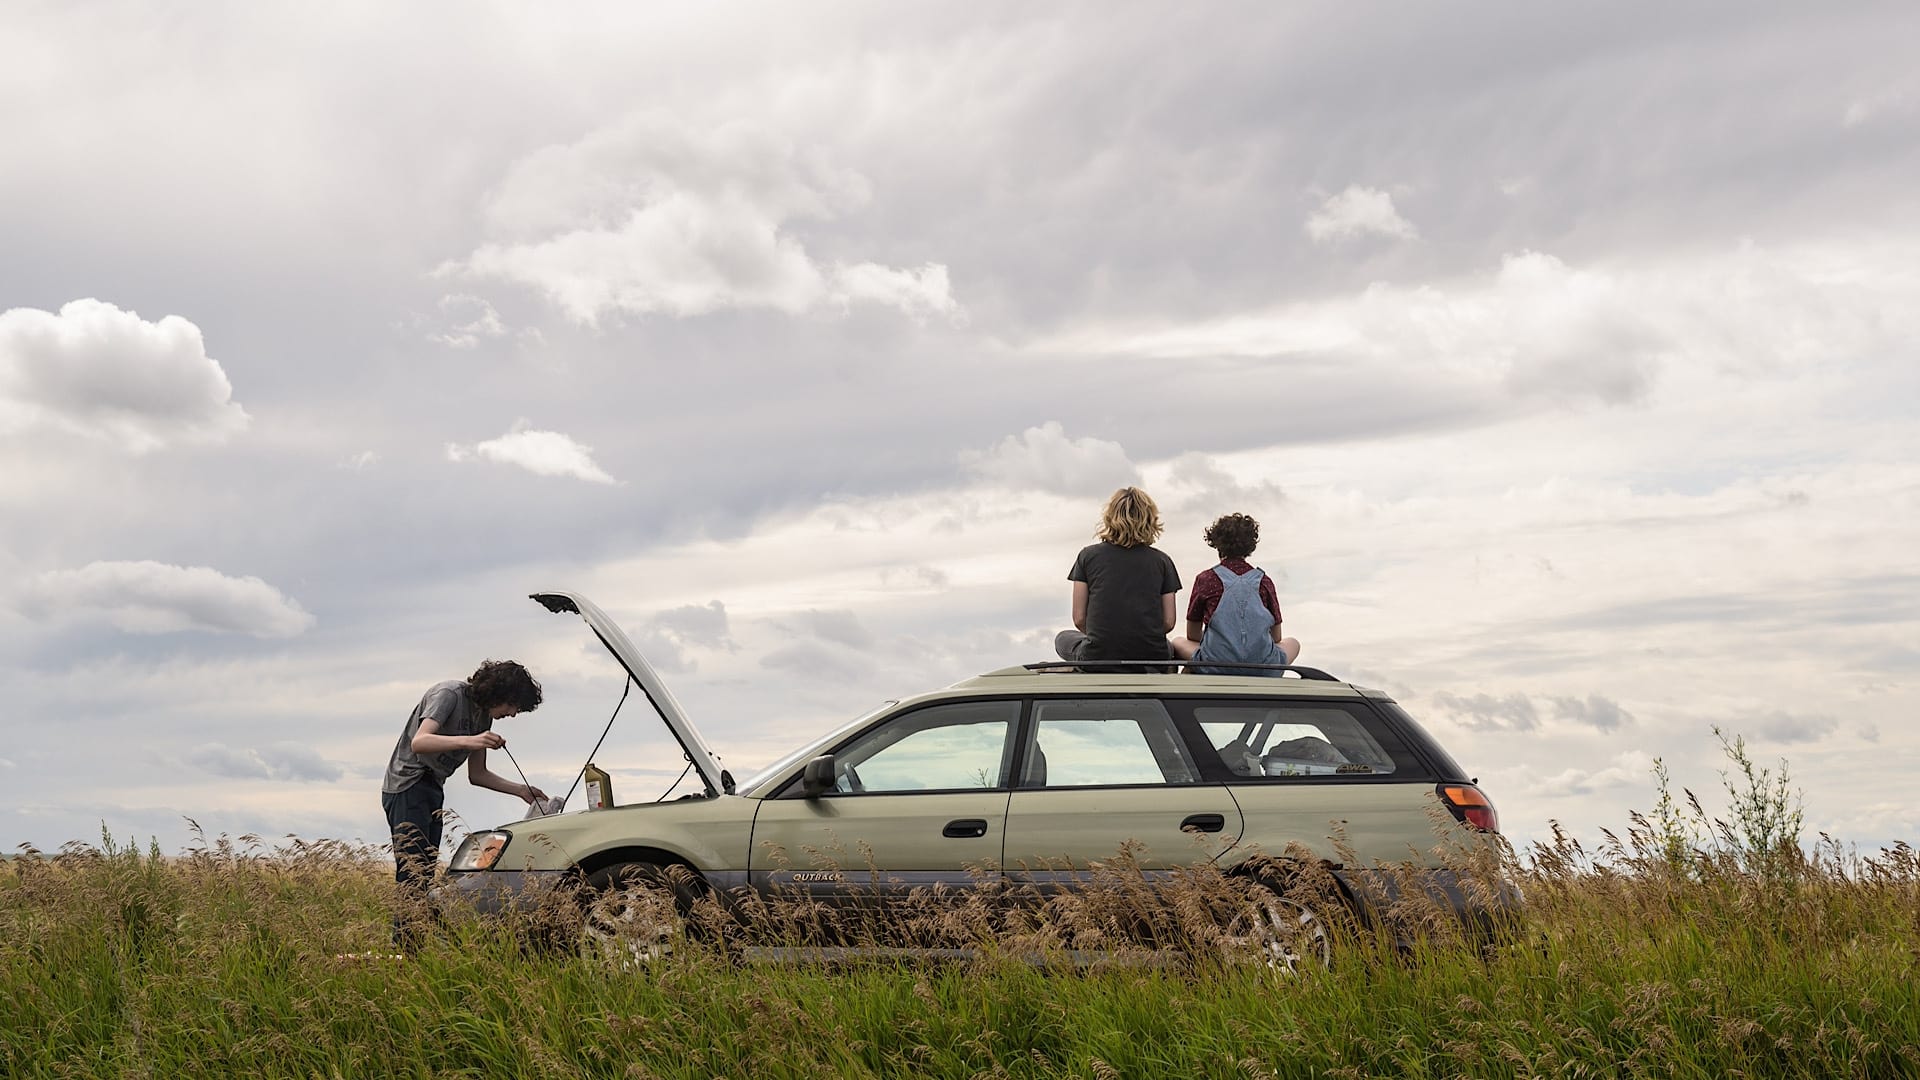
x,y
1309,770
1099,772
920,799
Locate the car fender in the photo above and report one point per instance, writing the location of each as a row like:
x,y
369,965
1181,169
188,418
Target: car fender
x,y
707,835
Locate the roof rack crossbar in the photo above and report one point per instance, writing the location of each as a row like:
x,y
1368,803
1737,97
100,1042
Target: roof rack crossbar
x,y
1155,667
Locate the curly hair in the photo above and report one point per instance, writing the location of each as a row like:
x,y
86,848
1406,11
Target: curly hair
x,y
1131,519
1234,536
503,682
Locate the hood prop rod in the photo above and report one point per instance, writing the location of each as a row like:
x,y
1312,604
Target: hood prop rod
x,y
626,687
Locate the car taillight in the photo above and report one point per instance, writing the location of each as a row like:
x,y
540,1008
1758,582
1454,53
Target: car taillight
x,y
1471,806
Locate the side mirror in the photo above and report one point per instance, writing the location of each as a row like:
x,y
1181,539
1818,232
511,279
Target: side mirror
x,y
818,776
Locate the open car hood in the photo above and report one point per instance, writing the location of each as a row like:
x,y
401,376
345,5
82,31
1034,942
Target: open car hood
x,y
705,762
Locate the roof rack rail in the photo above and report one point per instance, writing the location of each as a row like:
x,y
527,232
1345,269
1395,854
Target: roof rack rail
x,y
1157,667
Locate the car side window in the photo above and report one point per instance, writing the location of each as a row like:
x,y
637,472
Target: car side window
x,y
960,746
1104,741
1292,739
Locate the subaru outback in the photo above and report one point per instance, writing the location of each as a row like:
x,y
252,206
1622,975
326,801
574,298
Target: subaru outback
x,y
1020,779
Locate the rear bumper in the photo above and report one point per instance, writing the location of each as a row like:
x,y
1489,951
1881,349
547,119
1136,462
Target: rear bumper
x,y
1485,907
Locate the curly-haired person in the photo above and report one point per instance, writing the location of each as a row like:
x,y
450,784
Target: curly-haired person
x,y
1233,613
452,725
1123,587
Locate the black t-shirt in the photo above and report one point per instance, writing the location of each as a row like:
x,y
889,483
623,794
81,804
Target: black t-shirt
x,y
1126,619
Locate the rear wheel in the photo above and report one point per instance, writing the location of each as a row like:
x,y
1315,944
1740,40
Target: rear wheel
x,y
1280,930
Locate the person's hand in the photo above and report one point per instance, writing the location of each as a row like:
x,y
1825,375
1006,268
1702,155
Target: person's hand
x,y
533,793
486,740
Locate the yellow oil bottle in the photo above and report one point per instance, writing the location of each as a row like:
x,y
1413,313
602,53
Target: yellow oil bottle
x,y
599,787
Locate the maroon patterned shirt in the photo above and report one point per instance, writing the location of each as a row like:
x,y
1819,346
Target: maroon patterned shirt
x,y
1207,591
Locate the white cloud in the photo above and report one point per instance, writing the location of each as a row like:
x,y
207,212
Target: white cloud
x,y
1358,211
1779,726
665,651
670,637
1044,459
919,293
280,761
1630,769
918,578
365,459
1894,102
98,371
834,627
654,216
1600,713
1212,490
817,661
1484,712
1540,328
545,453
469,319
158,598
702,622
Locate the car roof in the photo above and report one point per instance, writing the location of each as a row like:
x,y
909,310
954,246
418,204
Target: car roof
x,y
1022,680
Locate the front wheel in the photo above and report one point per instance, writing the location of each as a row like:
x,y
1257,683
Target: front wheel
x,y
634,914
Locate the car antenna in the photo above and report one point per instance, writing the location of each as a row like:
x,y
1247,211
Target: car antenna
x,y
626,688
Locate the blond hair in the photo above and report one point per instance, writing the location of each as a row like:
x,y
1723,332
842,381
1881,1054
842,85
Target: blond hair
x,y
1131,519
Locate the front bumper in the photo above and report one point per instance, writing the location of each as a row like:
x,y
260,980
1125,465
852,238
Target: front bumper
x,y
497,892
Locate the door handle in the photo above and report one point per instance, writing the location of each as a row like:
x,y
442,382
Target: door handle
x,y
1204,823
965,828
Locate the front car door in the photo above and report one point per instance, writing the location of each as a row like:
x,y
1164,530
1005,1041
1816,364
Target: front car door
x,y
1097,773
920,799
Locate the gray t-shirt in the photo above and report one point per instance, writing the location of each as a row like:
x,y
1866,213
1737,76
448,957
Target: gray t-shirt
x,y
448,705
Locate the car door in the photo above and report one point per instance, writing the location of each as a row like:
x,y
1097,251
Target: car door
x,y
920,799
1305,771
1097,773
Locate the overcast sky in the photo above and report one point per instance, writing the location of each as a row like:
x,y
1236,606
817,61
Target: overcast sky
x,y
1568,360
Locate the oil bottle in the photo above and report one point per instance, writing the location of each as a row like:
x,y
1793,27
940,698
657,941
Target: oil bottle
x,y
599,787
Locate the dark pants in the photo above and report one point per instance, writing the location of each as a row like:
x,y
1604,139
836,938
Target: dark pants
x,y
413,816
1072,645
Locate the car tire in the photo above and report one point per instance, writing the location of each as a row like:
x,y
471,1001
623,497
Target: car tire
x,y
634,914
1280,929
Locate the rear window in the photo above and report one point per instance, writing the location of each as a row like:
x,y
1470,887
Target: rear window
x,y
1289,741
1099,742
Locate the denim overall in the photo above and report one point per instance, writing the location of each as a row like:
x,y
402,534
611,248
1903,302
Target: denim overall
x,y
1241,630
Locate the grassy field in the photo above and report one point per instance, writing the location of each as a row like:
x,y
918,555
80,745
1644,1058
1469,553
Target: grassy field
x,y
1681,950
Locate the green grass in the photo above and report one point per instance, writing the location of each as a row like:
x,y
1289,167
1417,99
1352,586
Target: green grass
x,y
1693,947
1632,962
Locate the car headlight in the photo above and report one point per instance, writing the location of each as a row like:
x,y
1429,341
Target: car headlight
x,y
479,851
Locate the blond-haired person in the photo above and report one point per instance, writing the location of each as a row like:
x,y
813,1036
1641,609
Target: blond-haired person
x,y
1123,587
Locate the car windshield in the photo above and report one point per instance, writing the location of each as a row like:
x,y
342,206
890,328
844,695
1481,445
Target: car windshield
x,y
752,783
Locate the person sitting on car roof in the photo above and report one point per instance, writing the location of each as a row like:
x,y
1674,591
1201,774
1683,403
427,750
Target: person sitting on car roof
x,y
1233,614
1123,587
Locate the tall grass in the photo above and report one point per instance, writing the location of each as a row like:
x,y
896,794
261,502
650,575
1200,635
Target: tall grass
x,y
1642,957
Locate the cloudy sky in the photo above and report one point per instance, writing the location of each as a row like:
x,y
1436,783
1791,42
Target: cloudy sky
x,y
1569,361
